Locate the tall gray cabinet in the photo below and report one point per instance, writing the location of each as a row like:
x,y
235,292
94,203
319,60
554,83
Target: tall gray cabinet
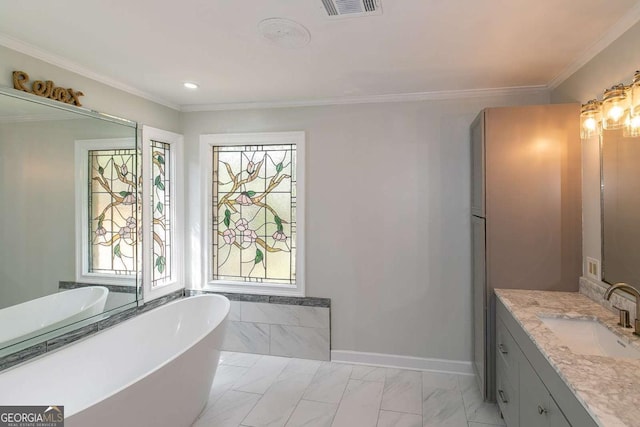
x,y
526,212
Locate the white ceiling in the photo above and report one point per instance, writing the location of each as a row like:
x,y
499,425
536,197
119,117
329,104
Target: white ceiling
x,y
415,46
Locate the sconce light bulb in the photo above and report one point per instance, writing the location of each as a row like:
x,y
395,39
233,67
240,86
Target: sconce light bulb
x,y
635,122
616,112
590,124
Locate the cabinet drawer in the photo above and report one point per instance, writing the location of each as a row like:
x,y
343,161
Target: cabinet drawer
x,y
534,398
556,417
507,351
507,395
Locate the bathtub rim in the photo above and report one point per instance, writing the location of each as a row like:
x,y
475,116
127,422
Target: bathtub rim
x,y
155,368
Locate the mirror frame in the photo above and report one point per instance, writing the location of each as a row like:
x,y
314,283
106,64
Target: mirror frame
x,y
14,93
603,264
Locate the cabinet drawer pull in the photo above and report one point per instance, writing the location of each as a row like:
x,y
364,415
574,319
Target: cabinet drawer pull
x,y
541,410
504,399
502,349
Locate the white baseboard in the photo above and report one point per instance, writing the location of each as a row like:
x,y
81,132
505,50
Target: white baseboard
x,y
404,362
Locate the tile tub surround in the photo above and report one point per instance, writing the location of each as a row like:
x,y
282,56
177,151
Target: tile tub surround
x,y
122,289
258,390
279,330
278,326
272,299
82,330
609,388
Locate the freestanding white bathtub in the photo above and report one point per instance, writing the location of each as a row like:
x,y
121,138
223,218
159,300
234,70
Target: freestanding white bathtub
x,y
153,370
41,315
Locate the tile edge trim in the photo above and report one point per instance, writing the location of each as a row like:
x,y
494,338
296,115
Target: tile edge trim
x,y
404,362
266,299
123,289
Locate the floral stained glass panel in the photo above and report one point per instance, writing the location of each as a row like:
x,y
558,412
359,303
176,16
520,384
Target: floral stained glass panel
x,y
162,209
112,212
254,205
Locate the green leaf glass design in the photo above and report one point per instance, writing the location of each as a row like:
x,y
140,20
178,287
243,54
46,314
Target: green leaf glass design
x,y
253,226
278,223
112,207
259,256
162,221
160,264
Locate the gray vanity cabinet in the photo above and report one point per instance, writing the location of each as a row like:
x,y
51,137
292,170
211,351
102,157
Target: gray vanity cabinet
x,y
555,415
537,407
508,395
508,356
529,391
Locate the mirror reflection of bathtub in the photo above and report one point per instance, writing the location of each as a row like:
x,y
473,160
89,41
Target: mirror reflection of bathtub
x,y
46,314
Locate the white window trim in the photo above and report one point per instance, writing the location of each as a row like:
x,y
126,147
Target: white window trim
x,y
176,281
207,142
82,148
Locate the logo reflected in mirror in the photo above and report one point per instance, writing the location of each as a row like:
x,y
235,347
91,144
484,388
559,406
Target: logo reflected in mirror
x,y
32,416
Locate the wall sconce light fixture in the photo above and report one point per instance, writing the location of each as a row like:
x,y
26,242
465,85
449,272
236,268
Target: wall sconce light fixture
x,y
615,107
590,119
619,109
632,127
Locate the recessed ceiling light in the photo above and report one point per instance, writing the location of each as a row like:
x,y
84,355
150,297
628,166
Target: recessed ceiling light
x,y
190,85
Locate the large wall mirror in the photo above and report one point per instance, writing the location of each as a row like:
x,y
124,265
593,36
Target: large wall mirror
x,y
69,213
620,208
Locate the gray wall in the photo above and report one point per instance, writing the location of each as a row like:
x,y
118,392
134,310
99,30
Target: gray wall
x,y
615,64
387,216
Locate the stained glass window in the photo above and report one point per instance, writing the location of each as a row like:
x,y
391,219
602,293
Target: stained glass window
x,y
112,208
162,210
254,213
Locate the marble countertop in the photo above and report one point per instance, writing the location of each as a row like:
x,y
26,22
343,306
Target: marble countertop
x,y
609,388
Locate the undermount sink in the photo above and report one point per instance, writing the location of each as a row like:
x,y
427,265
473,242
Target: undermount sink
x,y
587,336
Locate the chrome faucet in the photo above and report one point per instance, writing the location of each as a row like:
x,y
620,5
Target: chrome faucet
x,y
635,293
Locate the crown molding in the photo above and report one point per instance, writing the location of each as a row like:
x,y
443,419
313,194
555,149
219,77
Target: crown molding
x,y
371,99
68,65
629,19
58,61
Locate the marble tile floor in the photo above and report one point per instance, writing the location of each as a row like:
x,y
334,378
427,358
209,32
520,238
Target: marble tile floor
x,y
254,390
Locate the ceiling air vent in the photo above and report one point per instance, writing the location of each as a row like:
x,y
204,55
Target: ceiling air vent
x,y
352,8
